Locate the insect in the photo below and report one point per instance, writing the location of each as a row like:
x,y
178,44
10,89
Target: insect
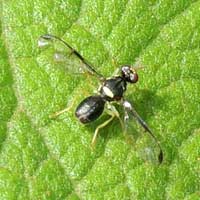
x,y
111,91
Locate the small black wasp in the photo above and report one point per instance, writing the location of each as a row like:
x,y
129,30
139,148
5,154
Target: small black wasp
x,y
111,90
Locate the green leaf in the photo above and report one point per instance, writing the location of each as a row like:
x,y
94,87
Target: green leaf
x,y
42,158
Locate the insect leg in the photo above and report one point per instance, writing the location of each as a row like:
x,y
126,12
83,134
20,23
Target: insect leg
x,y
90,68
112,111
116,72
129,109
98,128
56,114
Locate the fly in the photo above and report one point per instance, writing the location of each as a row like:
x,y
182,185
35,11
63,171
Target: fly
x,y
111,90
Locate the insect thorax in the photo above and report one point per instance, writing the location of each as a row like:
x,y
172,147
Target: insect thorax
x,y
113,88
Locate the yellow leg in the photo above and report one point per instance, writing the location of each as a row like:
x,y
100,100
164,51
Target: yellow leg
x,y
121,123
111,110
98,128
54,115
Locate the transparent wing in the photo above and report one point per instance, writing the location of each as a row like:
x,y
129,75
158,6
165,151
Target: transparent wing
x,y
69,59
70,63
145,143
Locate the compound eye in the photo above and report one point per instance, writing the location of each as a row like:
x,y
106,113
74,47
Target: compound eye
x,y
133,77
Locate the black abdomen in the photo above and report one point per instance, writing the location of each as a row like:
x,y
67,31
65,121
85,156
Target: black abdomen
x,y
90,109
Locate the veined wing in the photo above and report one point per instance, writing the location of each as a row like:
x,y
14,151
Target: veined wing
x,y
146,144
70,58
